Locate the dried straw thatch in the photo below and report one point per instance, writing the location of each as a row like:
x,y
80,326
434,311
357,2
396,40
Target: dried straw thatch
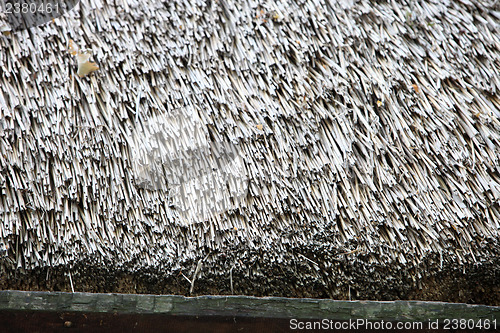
x,y
370,134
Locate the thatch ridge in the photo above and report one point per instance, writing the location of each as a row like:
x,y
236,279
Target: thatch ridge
x,y
370,131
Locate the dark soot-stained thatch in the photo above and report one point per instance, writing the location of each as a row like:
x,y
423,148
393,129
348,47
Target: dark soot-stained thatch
x,y
370,134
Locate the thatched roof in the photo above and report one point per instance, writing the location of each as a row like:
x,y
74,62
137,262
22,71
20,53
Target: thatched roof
x,y
369,134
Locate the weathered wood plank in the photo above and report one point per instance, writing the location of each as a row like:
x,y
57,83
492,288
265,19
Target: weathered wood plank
x,y
242,306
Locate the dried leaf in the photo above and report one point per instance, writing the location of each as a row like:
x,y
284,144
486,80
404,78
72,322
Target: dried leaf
x,y
73,49
4,29
85,67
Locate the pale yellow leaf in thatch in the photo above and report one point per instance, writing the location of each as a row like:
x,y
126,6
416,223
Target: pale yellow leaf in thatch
x,y
4,29
84,65
379,103
416,88
260,127
73,49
